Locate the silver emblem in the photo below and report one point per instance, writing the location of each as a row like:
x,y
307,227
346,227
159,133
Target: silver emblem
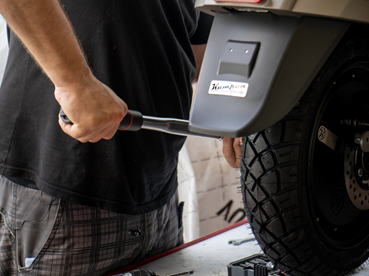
x,y
228,88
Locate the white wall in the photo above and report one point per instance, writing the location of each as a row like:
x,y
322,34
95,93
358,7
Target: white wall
x,y
209,187
3,47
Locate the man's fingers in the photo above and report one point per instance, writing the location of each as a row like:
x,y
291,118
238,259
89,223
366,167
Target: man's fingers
x,y
64,126
79,134
232,151
237,145
89,135
105,134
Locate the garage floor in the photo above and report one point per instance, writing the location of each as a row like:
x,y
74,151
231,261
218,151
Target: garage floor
x,y
211,256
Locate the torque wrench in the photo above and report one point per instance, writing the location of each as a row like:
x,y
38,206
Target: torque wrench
x,y
186,273
134,121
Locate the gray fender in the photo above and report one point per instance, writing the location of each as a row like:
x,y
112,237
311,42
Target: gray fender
x,y
255,69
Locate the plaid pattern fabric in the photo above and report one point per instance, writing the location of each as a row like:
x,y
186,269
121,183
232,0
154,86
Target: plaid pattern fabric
x,y
90,241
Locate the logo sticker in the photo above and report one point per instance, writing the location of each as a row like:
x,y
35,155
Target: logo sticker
x,y
228,88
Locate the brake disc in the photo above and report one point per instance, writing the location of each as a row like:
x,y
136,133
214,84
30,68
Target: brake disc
x,y
358,196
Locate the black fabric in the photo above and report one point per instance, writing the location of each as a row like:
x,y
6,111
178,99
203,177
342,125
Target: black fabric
x,y
201,34
24,182
142,50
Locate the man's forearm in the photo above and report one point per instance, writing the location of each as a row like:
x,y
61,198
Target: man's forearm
x,y
45,31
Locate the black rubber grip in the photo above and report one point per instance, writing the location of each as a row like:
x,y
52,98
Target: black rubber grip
x,y
132,121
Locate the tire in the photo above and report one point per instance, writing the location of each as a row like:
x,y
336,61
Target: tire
x,y
294,186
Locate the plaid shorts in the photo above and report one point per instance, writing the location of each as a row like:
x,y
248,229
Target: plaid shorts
x,y
41,235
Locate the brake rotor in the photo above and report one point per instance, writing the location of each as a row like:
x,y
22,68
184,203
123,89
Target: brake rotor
x,y
358,196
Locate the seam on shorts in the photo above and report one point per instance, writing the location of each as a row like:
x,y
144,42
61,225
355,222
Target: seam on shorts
x,y
7,226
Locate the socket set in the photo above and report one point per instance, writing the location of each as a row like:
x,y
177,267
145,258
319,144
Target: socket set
x,y
254,265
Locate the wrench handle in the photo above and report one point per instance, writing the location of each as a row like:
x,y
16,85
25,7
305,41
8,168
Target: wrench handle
x,y
132,121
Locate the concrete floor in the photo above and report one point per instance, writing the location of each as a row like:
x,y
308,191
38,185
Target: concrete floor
x,y
211,256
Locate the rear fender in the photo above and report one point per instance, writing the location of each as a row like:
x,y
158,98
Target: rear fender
x,y
256,67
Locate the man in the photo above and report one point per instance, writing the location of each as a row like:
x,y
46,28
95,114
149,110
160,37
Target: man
x,y
84,199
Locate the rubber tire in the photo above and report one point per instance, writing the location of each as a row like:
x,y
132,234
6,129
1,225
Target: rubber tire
x,y
276,183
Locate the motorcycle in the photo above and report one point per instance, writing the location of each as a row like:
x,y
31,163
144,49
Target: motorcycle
x,y
292,78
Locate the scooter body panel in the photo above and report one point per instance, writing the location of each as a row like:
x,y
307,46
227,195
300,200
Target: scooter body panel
x,y
256,68
212,6
351,10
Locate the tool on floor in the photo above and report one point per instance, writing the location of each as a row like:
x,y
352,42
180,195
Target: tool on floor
x,y
148,272
254,265
182,273
139,272
134,121
241,241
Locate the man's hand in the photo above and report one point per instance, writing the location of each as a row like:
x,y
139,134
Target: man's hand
x,y
232,151
94,109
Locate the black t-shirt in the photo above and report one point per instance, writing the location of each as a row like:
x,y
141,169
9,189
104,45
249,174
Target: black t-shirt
x,y
142,50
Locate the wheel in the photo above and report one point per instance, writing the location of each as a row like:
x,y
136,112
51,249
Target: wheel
x,y
308,204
